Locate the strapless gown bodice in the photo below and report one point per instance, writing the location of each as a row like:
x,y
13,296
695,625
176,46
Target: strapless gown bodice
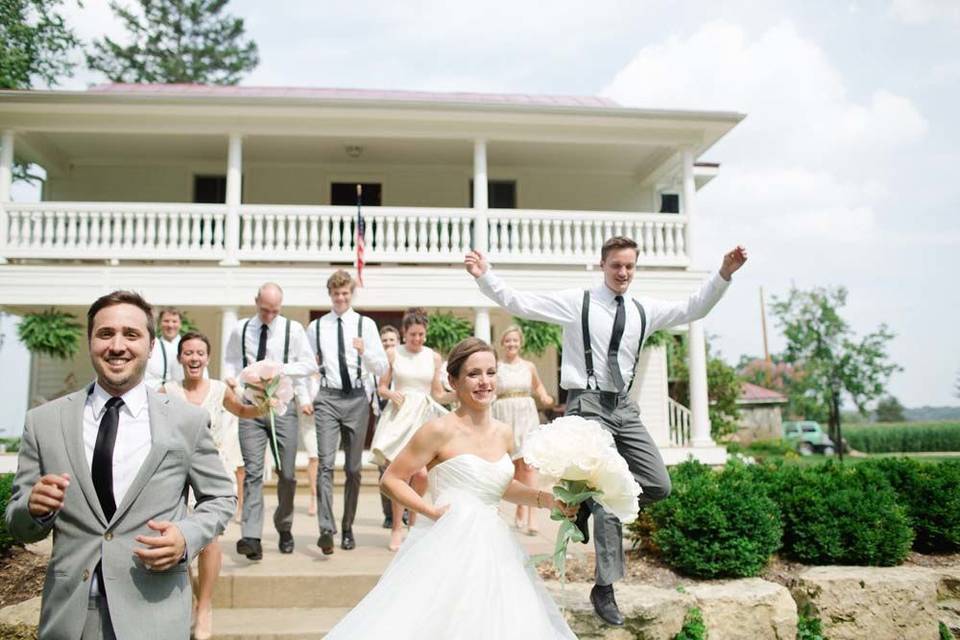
x,y
468,476
463,577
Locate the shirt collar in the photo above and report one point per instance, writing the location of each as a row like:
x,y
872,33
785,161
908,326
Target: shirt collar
x,y
134,400
345,315
604,294
271,328
172,343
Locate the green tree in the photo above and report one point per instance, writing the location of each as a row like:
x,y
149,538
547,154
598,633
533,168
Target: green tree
x,y
35,44
723,385
35,48
834,362
889,409
176,41
445,330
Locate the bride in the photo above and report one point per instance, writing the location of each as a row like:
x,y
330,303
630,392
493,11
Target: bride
x,y
460,574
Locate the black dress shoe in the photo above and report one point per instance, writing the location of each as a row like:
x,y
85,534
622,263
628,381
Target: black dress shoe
x,y
582,522
348,543
250,547
286,542
406,518
388,522
325,542
605,604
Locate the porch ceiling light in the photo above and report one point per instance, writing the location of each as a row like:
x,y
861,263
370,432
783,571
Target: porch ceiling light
x,y
353,150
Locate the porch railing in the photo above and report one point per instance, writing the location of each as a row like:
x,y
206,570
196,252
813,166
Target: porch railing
x,y
295,233
678,418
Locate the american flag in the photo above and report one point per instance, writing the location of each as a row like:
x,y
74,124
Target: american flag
x,y
361,228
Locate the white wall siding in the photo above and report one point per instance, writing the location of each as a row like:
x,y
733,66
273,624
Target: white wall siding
x,y
650,393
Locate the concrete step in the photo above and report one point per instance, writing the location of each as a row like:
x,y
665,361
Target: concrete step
x,y
266,624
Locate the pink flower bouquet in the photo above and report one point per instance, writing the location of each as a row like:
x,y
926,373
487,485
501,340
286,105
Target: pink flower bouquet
x,y
265,386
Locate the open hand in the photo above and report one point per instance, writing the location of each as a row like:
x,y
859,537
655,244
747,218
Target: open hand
x,y
164,551
475,263
47,494
732,261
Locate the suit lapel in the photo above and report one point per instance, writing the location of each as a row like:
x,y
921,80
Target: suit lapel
x,y
158,406
71,422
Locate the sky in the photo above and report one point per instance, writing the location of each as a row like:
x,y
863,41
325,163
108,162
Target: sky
x,y
844,173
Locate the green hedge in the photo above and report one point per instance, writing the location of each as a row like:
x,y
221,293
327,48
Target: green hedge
x,y
6,488
904,437
12,444
836,514
716,525
931,495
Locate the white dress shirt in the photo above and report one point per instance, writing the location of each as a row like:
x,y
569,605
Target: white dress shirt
x,y
163,364
373,361
300,361
131,446
564,307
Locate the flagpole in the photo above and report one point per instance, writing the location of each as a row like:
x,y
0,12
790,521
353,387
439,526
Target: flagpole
x,y
360,242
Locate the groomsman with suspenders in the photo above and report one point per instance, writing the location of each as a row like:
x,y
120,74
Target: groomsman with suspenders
x,y
602,338
348,350
162,367
269,336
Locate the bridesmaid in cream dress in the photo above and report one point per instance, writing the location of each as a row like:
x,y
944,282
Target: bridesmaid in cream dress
x,y
415,398
517,385
193,353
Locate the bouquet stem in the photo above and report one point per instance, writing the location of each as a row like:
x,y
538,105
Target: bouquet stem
x,y
274,448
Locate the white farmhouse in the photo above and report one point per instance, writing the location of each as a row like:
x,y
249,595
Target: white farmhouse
x,y
194,195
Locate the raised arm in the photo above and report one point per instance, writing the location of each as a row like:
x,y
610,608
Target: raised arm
x,y
302,363
557,307
383,386
662,314
418,453
374,357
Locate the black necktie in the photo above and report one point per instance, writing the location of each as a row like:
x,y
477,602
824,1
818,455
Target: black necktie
x,y
262,345
102,467
342,357
613,366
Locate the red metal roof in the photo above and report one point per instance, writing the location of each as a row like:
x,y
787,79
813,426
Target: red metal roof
x,y
374,95
751,393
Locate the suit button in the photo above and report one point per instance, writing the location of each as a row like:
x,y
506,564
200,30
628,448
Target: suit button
x,y
86,575
108,536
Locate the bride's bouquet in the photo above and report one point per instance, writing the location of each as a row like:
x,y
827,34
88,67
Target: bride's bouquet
x,y
579,457
265,386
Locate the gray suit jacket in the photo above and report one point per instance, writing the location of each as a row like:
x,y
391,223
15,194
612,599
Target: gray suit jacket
x,y
143,603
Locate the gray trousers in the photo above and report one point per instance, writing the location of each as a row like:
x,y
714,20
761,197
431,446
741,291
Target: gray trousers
x,y
97,625
621,417
339,418
254,440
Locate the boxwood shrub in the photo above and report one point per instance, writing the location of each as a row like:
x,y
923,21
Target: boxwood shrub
x,y
716,525
930,492
836,514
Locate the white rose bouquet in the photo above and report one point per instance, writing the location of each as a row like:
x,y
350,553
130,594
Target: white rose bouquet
x,y
264,385
579,457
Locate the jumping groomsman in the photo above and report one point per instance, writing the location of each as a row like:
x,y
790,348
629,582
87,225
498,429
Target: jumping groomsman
x,y
603,331
269,336
162,367
348,351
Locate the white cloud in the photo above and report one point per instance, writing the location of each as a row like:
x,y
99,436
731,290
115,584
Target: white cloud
x,y
924,11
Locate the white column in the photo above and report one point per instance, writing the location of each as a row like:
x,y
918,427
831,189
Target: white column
x,y
480,240
6,181
689,195
231,238
699,401
228,320
481,324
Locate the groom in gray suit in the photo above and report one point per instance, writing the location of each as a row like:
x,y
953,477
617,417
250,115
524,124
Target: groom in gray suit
x,y
107,470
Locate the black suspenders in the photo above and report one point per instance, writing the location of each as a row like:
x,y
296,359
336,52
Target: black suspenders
x,y
323,369
588,348
243,343
163,350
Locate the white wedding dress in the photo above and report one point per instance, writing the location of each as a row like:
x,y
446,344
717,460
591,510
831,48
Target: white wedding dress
x,y
463,577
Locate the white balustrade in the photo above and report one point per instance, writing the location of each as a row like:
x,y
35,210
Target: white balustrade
x,y
114,231
295,233
678,418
